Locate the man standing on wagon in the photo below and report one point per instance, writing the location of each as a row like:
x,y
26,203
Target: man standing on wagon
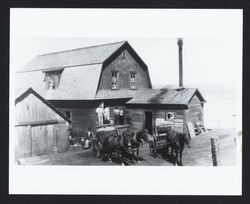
x,y
121,117
116,114
99,112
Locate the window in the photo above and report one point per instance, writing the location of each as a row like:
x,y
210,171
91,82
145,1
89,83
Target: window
x,y
133,80
114,80
169,115
68,114
52,79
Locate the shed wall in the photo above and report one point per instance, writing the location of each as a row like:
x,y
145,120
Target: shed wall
x,y
40,140
39,134
195,111
33,109
138,119
81,120
177,122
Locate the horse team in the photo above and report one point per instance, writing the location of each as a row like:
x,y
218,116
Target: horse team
x,y
124,148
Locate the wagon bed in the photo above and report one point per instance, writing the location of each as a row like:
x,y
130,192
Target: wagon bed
x,y
157,144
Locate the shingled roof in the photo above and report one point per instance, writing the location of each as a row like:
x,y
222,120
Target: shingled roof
x,y
165,96
70,58
69,88
81,70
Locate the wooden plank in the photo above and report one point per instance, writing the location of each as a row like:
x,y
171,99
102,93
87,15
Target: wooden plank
x,y
191,129
62,141
32,108
22,148
36,123
30,139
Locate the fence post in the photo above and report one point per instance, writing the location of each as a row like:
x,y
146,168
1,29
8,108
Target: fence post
x,y
215,151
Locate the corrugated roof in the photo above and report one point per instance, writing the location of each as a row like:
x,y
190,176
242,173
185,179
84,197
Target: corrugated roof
x,y
165,96
81,56
32,91
69,87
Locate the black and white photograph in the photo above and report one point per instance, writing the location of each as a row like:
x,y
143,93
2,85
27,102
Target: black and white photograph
x,y
99,96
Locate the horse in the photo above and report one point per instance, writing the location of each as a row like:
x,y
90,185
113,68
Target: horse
x,y
177,142
137,138
115,144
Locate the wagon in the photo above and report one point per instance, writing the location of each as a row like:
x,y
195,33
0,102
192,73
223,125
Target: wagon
x,y
159,140
104,131
156,146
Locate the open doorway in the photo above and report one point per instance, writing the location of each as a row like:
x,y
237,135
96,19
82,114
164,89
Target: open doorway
x,y
148,121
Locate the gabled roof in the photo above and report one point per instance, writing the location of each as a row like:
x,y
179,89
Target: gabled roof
x,y
165,96
75,57
81,70
32,91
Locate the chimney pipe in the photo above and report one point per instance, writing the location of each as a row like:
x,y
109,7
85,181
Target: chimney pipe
x,y
180,43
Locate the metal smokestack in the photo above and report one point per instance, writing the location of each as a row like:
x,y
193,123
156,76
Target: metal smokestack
x,y
180,43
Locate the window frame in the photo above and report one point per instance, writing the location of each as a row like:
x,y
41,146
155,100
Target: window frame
x,y
117,81
52,79
135,81
168,118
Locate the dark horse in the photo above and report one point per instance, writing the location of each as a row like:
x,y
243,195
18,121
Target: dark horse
x,y
176,141
136,138
115,144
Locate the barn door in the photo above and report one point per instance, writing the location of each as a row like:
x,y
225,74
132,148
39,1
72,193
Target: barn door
x,y
38,140
61,137
23,142
42,139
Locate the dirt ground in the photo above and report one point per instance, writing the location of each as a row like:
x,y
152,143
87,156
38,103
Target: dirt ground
x,y
198,155
200,152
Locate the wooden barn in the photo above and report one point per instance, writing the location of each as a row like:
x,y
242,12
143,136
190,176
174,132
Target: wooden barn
x,y
157,109
40,128
77,81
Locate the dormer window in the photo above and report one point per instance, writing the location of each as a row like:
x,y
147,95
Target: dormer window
x,y
52,79
52,84
114,80
133,80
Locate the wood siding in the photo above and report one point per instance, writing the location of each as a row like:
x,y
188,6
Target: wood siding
x,y
138,118
32,109
177,122
124,67
158,118
81,120
195,111
40,140
38,129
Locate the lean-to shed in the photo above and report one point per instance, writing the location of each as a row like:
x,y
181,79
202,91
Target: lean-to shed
x,y
155,109
40,128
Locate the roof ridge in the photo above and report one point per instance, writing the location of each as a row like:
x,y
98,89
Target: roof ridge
x,y
80,48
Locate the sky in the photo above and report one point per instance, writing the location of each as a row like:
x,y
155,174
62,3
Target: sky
x,y
212,49
205,60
